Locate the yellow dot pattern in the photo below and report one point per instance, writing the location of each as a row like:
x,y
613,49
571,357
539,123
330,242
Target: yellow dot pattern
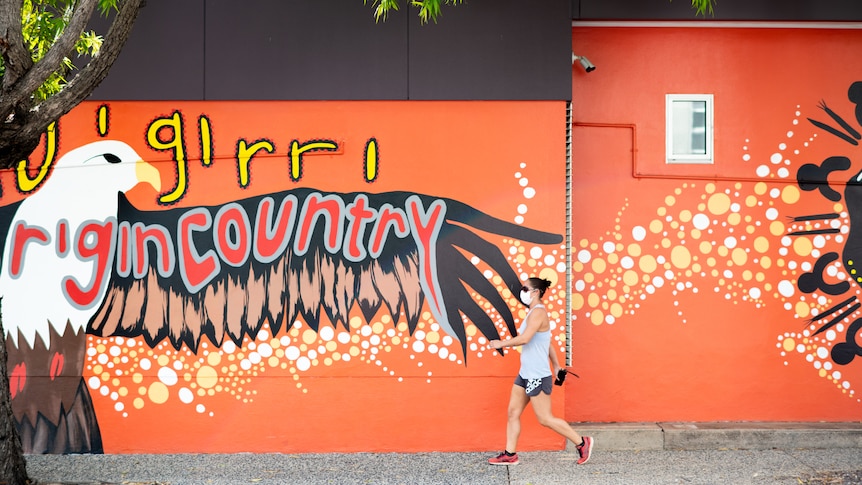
x,y
702,233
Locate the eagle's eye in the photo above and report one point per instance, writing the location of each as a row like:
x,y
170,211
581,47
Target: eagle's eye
x,y
111,158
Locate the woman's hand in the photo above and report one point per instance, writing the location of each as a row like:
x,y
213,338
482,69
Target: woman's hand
x,y
496,344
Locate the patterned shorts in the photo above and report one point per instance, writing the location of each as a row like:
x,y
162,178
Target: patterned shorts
x,y
535,386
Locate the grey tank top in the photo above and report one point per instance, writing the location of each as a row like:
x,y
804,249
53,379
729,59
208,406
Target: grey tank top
x,y
534,354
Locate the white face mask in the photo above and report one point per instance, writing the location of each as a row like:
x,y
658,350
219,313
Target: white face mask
x,y
526,299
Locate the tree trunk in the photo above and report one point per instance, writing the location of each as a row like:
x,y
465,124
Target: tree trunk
x,y
13,469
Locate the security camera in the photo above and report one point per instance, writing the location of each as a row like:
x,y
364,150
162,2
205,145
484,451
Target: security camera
x,y
585,63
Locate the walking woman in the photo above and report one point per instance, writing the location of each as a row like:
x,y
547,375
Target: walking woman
x,y
534,381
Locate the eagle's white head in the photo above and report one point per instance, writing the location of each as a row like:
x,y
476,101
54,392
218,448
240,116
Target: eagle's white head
x,y
45,249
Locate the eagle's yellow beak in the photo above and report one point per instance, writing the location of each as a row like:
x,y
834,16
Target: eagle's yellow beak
x,y
145,172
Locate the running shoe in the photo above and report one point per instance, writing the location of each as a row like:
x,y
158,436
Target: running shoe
x,y
504,459
585,450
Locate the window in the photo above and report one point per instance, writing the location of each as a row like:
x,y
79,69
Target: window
x,y
688,119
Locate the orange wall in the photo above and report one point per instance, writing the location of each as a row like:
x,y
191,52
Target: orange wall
x,y
702,325
360,385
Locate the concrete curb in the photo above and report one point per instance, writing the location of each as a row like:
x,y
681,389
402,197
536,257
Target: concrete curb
x,y
721,435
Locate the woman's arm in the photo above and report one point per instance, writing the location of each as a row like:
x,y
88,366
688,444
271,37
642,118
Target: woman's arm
x,y
555,363
534,321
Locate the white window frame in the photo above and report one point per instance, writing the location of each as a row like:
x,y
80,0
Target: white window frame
x,y
694,158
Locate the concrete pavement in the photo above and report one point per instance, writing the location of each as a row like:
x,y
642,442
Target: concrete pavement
x,y
690,453
723,435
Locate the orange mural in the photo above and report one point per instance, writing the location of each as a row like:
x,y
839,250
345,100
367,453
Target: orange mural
x,y
290,277
723,291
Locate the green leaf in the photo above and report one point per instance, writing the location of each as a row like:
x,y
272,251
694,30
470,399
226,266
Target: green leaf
x,y
42,23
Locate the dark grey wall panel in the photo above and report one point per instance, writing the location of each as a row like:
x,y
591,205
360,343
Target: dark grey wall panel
x,y
494,49
753,10
163,58
334,50
304,49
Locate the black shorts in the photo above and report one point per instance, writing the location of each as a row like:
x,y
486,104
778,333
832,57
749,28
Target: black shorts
x,y
535,386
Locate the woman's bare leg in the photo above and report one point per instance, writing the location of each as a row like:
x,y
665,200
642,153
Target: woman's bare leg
x,y
542,408
517,403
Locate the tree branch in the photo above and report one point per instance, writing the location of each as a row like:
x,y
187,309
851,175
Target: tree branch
x,y
16,58
88,78
22,89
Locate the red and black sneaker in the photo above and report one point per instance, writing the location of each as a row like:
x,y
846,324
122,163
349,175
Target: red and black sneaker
x,y
585,450
504,458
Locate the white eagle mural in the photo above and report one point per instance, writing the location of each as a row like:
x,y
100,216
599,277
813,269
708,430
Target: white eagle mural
x,y
58,242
